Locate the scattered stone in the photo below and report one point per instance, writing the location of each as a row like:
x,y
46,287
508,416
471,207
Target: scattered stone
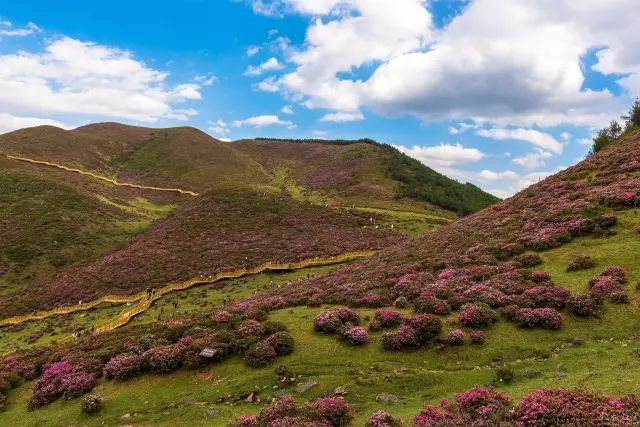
x,y
125,416
307,385
210,413
530,373
390,399
340,391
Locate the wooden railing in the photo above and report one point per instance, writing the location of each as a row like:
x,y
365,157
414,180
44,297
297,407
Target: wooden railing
x,y
100,177
142,301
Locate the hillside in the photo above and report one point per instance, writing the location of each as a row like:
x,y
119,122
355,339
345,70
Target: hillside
x,y
218,231
534,296
363,171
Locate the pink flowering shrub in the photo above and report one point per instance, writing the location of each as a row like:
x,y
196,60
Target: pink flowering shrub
x,y
356,335
282,343
19,365
251,328
616,273
477,337
430,304
123,366
388,318
475,407
404,337
425,327
260,355
383,419
477,315
546,318
163,359
61,379
548,407
247,421
547,296
584,305
455,337
333,320
333,409
185,340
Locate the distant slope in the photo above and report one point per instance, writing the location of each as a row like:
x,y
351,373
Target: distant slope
x,y
545,215
218,231
360,169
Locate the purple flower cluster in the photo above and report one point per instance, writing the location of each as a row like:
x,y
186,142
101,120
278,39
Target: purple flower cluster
x,y
416,331
388,318
333,320
546,318
477,337
123,366
163,359
356,335
455,337
61,379
547,296
383,419
477,315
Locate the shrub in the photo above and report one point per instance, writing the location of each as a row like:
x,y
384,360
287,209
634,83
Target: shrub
x,y
547,296
539,276
616,273
163,359
619,297
505,376
247,421
260,355
356,335
425,327
333,320
477,315
477,337
529,260
388,318
383,419
573,407
251,328
584,305
282,343
455,337
581,262
404,337
123,366
91,403
333,409
546,318
432,305
401,302
61,379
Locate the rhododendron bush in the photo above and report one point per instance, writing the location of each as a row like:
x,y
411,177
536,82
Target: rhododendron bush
x,y
546,407
61,379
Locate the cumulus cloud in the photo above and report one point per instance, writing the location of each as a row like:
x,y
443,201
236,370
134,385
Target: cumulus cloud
x,y
219,128
342,117
272,64
9,122
287,109
533,160
443,156
532,136
252,50
76,77
262,121
514,63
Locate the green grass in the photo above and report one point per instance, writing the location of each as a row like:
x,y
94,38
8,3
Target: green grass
x,y
604,363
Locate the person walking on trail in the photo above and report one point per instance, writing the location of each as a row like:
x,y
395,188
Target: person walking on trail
x,y
175,305
148,293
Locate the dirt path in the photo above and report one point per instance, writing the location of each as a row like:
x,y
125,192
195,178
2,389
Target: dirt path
x,y
141,301
99,177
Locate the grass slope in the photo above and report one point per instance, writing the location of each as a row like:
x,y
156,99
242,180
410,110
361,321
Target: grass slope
x,y
605,362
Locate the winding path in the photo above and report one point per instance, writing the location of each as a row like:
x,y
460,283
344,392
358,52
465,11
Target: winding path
x,y
143,302
99,177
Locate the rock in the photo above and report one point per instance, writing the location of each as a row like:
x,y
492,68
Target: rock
x,y
251,398
340,391
390,399
125,416
210,413
303,387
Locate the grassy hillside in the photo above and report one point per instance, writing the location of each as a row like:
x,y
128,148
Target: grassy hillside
x,y
218,231
546,324
365,171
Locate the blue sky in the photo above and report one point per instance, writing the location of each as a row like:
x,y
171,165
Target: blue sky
x,y
498,94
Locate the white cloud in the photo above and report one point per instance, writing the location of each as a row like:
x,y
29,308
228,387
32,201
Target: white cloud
x,y
443,156
219,128
268,85
532,136
272,64
76,77
533,160
513,63
287,109
565,136
8,31
9,122
342,117
206,79
462,127
262,121
252,50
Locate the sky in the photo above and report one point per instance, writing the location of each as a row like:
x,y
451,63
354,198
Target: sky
x,y
493,92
